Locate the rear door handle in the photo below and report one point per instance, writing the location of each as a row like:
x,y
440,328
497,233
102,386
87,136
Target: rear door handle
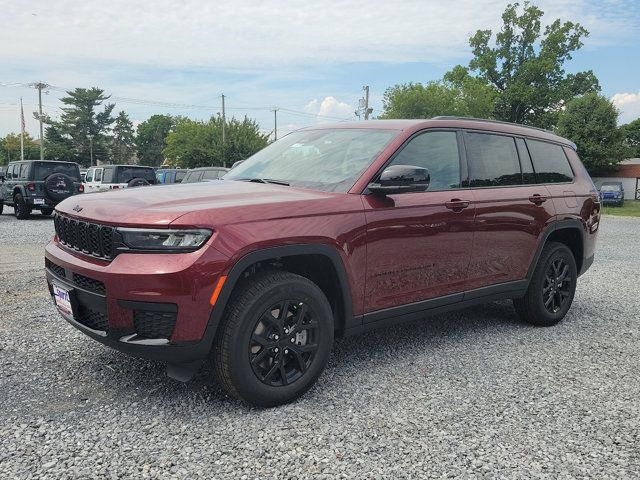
x,y
537,199
457,205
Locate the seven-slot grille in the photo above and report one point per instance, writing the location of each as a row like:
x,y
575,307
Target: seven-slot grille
x,y
90,238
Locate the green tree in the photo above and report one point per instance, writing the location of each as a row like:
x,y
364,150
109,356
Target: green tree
x,y
58,147
82,120
526,67
591,122
10,148
123,142
151,137
631,133
198,144
453,96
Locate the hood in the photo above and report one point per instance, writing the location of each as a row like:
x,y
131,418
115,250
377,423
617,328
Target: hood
x,y
162,205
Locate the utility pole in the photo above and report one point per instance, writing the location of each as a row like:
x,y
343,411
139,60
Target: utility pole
x,y
91,148
367,110
40,86
275,123
224,128
21,130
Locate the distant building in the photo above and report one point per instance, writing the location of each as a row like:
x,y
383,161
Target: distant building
x,y
628,172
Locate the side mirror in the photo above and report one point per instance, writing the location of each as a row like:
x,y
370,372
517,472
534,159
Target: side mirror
x,y
401,179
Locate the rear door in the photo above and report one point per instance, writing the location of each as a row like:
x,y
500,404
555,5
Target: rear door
x,y
419,244
512,210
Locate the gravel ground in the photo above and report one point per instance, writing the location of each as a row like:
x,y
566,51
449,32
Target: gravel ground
x,y
474,394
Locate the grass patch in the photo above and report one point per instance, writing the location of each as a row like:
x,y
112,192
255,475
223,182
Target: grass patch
x,y
631,208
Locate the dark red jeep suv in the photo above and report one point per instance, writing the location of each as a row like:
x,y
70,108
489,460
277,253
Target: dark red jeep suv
x,y
329,231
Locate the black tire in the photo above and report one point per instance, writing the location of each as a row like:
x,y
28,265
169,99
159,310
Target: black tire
x,y
137,182
46,211
236,353
20,207
1,207
552,287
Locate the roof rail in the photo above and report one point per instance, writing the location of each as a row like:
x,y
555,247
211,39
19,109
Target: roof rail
x,y
452,117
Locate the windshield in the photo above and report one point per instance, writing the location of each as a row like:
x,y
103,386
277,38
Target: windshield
x,y
42,170
328,160
610,188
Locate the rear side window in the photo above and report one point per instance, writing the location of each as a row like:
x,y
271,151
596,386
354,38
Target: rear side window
x,y
107,175
180,176
438,153
24,171
192,177
493,160
126,174
550,162
211,175
98,175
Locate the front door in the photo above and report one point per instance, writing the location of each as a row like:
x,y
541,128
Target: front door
x,y
419,244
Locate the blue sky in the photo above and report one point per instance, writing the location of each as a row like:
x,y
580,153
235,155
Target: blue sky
x,y
310,59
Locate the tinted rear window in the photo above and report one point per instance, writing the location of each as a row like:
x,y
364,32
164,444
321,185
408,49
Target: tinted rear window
x,y
550,162
42,170
493,160
126,174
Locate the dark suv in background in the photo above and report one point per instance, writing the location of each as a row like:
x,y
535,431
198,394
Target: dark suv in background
x,y
38,185
331,230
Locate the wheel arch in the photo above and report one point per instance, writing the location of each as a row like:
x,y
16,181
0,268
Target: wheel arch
x,y
18,189
568,231
320,263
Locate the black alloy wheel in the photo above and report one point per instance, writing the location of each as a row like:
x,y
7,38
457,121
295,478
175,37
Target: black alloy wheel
x,y
283,344
551,288
557,285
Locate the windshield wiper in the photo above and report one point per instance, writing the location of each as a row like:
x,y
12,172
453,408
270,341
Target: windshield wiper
x,y
264,180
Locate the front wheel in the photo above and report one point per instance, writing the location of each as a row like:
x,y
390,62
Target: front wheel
x,y
551,289
275,339
20,207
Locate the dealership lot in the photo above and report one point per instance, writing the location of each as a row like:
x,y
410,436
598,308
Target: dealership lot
x,y
469,394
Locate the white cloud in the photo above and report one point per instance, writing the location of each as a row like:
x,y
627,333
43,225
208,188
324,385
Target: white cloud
x,y
629,106
330,110
249,33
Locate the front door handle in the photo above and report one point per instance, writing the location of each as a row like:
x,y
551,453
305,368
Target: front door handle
x,y
537,199
457,205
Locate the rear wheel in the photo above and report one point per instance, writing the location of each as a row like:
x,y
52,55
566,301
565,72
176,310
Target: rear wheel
x,y
20,207
552,287
275,340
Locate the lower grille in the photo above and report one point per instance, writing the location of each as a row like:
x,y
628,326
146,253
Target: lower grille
x,y
56,269
92,319
149,324
90,284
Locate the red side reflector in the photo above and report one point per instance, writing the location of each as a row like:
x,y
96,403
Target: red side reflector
x,y
113,187
81,188
216,291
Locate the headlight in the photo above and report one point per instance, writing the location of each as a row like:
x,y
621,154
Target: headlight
x,y
164,239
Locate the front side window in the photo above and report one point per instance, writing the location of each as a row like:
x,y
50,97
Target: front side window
x,y
550,162
493,160
11,170
180,176
326,159
438,153
89,175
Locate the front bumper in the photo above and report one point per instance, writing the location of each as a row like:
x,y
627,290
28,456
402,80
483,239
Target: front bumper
x,y
153,306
